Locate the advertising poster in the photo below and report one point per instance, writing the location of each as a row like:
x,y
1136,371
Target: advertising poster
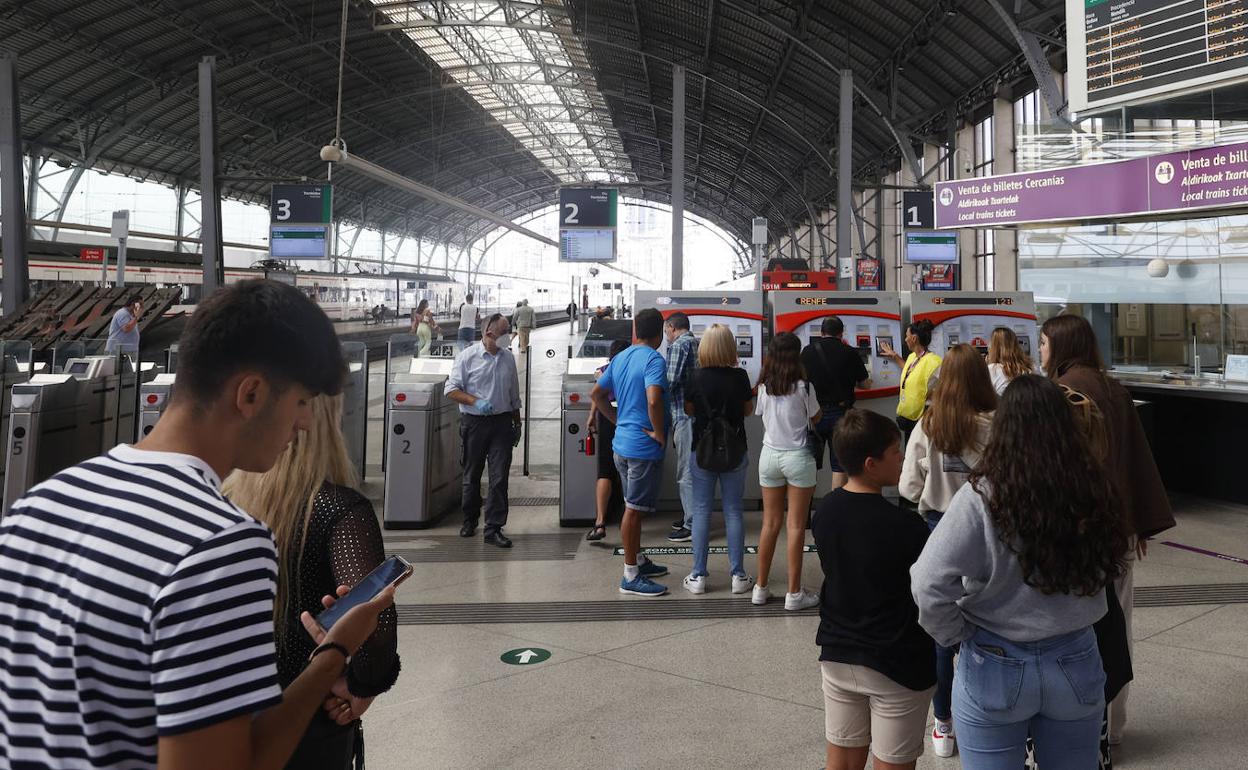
x,y
938,277
868,274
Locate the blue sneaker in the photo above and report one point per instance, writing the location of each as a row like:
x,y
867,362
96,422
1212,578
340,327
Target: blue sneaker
x,y
648,569
641,586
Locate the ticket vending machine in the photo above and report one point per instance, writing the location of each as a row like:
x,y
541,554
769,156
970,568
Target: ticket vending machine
x,y
423,473
871,319
57,420
153,398
742,312
355,404
971,316
578,449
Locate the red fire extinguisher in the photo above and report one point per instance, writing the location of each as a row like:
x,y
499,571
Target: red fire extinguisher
x,y
589,444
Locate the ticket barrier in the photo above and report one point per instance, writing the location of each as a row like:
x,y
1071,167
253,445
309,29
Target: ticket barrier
x,y
153,398
971,316
578,462
58,420
742,312
355,404
17,365
423,471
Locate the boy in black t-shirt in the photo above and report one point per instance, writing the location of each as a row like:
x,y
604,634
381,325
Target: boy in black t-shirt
x,y
878,664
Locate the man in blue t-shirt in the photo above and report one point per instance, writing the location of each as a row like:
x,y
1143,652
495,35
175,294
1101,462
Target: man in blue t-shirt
x,y
123,332
638,377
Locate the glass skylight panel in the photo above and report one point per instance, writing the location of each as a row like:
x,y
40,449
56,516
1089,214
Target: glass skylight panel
x,y
517,61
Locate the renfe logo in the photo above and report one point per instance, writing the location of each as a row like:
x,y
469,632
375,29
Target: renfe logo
x,y
812,300
663,301
946,196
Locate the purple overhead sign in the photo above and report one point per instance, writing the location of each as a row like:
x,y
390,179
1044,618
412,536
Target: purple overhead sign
x,y
1210,177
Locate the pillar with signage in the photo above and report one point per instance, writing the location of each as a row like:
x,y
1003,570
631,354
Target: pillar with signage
x,y
300,220
933,253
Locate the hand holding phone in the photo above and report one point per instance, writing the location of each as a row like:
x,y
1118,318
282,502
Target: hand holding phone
x,y
352,617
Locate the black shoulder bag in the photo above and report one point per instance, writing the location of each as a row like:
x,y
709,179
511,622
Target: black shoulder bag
x,y
720,448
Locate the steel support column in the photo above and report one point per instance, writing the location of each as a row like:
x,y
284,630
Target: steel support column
x,y
179,223
15,284
678,176
209,171
845,172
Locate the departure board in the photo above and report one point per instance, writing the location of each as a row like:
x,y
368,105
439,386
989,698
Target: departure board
x,y
1123,51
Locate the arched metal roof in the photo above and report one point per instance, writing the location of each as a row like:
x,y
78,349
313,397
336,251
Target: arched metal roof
x,y
499,102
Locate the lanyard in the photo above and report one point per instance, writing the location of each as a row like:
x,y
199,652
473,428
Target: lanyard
x,y
910,369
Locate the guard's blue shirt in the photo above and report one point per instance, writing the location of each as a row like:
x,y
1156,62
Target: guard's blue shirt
x,y
628,376
118,338
483,374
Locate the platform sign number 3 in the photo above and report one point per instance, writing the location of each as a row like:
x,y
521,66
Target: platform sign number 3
x,y
305,204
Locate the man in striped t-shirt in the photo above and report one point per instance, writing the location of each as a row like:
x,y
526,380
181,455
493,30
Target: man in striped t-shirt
x,y
136,614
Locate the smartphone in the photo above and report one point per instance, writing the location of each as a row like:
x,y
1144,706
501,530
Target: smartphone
x,y
390,572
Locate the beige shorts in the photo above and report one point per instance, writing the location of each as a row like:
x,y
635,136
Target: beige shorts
x,y
862,707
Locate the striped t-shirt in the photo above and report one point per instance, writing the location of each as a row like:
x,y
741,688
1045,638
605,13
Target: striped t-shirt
x,y
135,602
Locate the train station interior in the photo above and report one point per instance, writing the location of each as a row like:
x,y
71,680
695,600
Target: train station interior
x,y
488,201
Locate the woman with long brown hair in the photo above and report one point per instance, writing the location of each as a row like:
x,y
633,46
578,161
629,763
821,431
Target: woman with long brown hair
x,y
786,468
943,450
1016,572
1070,356
1006,358
327,536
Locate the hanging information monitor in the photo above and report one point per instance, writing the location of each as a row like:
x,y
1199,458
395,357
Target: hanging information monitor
x,y
587,224
1122,51
931,247
299,241
300,216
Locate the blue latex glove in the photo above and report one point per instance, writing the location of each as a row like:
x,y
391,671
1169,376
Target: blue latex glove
x,y
484,406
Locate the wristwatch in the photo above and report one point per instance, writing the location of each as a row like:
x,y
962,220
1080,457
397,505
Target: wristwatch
x,y
346,655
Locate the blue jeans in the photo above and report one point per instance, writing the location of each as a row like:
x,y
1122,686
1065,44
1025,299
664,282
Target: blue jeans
x,y
1053,689
942,699
682,445
466,336
732,492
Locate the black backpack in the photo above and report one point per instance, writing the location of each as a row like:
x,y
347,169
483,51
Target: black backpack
x,y
720,448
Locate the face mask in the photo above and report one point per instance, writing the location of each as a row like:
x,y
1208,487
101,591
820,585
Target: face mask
x,y
504,341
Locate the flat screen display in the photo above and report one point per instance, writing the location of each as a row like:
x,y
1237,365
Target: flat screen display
x,y
299,241
925,247
587,245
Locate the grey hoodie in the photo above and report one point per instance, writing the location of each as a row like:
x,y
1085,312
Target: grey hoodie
x,y
966,578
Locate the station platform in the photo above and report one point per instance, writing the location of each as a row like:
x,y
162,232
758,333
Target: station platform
x,y
713,681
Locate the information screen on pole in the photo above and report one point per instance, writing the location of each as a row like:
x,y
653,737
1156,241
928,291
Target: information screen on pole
x,y
1123,51
299,241
587,224
301,204
931,247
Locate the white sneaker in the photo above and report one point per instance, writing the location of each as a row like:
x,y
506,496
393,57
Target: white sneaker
x,y
943,741
802,600
761,595
695,585
742,583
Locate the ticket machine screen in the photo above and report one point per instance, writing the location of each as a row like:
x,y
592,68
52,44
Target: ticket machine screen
x,y
879,344
745,347
1025,342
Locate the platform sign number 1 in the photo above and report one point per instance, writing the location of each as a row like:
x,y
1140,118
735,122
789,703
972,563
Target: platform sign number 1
x,y
918,210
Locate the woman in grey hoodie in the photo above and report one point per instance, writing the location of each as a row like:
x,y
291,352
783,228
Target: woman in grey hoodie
x,y
1016,572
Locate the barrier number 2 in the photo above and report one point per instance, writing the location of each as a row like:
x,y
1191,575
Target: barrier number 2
x,y
407,447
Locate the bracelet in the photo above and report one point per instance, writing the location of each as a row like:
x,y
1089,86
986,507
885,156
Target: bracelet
x,y
346,656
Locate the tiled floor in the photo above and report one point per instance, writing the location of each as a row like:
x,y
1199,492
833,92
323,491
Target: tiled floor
x,y
716,692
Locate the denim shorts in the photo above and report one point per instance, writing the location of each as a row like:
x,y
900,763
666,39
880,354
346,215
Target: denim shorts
x,y
826,427
641,480
778,467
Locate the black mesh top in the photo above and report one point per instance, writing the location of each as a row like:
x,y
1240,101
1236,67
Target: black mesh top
x,y
343,545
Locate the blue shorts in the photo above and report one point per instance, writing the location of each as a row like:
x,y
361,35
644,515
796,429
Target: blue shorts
x,y
641,481
824,430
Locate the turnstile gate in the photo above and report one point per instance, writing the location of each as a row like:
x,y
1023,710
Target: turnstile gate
x,y
58,420
153,398
578,462
423,457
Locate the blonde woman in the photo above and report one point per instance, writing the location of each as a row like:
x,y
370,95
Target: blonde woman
x,y
327,535
1006,358
719,388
